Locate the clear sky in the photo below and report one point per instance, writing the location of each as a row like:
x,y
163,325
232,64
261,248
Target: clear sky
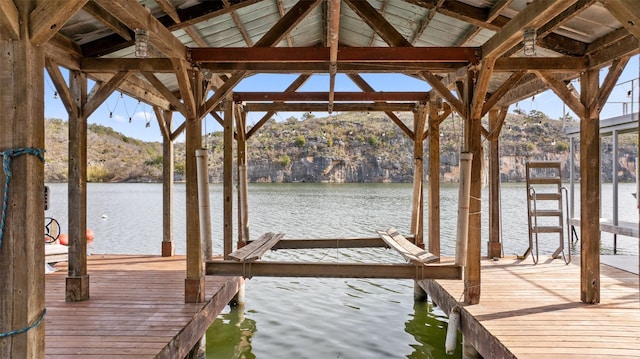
x,y
126,115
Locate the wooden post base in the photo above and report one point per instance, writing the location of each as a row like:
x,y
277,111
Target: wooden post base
x,y
419,294
168,250
194,290
77,288
494,249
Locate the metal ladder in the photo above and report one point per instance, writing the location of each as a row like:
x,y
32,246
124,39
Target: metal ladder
x,y
545,198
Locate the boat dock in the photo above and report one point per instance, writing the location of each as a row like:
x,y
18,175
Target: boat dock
x,y
137,309
534,311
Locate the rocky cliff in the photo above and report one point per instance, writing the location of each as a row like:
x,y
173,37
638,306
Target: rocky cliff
x,y
349,147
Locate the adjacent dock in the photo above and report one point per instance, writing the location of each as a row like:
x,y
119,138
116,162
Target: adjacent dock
x,y
534,311
137,309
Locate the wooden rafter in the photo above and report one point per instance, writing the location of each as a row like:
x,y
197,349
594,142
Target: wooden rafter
x,y
282,12
608,84
283,27
560,89
424,23
102,91
323,67
482,85
390,96
49,17
372,39
239,24
443,91
497,8
61,86
181,69
158,65
461,55
378,23
501,91
9,21
566,15
339,107
627,12
136,88
135,16
468,36
162,123
168,95
533,15
295,85
557,64
109,20
629,45
364,86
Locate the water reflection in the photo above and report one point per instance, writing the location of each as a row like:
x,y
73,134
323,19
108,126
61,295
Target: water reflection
x,y
230,335
428,326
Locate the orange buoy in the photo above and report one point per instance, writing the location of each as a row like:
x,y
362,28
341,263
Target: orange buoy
x,y
90,236
63,238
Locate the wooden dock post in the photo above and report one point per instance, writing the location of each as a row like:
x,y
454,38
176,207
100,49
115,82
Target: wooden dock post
x,y
194,283
243,190
590,190
417,213
496,119
227,178
434,179
165,119
22,249
77,278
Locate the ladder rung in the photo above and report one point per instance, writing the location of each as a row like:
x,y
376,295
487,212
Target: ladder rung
x,y
544,164
547,213
546,196
545,180
547,229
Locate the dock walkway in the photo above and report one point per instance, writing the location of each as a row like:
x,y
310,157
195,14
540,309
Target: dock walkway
x,y
136,310
534,311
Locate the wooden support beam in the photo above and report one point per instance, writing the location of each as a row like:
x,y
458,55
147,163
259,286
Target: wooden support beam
x,y
378,23
111,65
434,180
243,179
589,191
282,12
473,144
49,17
287,23
609,83
61,86
501,91
194,283
103,92
136,88
534,15
330,243
424,23
381,66
443,91
9,21
497,8
555,64
77,283
22,278
364,86
309,96
481,87
135,16
164,121
601,57
627,12
109,20
227,178
322,107
375,55
295,85
168,95
184,75
561,90
496,119
333,270
417,211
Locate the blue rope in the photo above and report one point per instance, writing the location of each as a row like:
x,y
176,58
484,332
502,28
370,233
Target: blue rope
x,y
23,330
6,167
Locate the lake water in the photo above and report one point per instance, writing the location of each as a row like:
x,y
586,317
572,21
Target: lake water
x,y
318,317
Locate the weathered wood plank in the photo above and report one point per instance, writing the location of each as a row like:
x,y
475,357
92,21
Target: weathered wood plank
x,y
407,249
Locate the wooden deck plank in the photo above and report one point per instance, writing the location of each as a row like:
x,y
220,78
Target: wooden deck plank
x,y
534,311
136,309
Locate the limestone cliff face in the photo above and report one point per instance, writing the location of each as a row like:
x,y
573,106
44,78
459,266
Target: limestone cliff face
x,y
351,147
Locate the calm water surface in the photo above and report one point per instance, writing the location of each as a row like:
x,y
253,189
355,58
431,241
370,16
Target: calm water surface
x,y
317,317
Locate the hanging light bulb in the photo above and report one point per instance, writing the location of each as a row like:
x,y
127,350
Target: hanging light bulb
x,y
529,41
55,95
142,43
148,124
129,119
111,114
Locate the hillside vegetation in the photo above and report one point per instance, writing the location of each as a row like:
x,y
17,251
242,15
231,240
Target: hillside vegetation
x,y
348,147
